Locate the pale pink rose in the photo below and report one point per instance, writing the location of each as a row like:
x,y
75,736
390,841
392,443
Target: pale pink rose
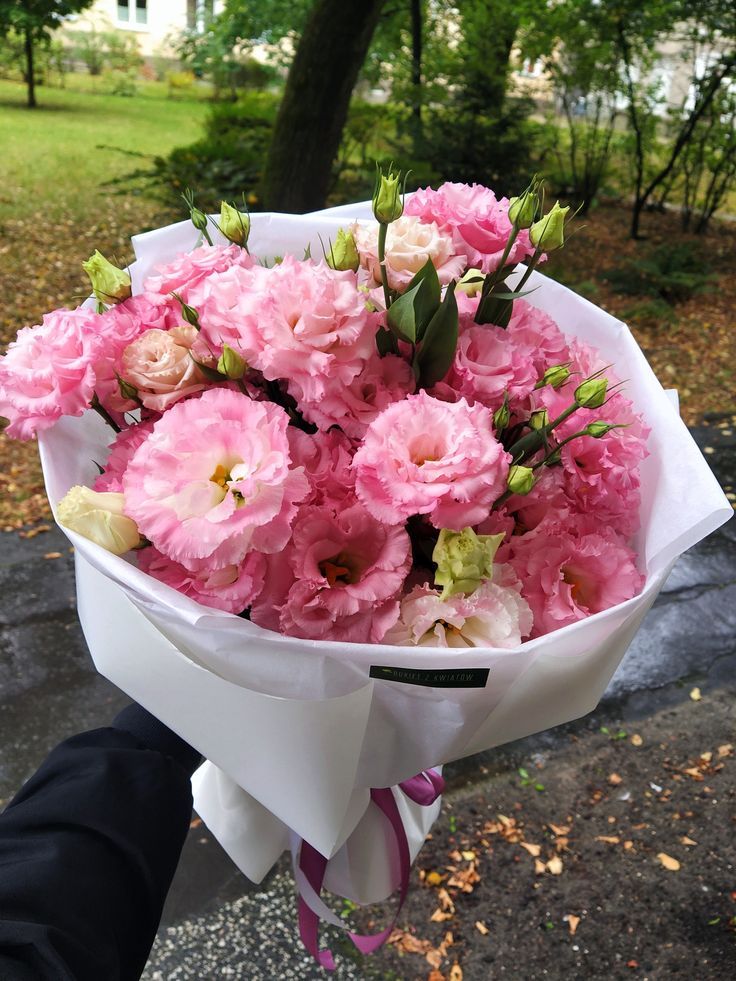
x,y
213,480
231,588
424,456
495,615
119,326
121,450
347,571
326,458
409,244
160,365
48,371
187,275
566,578
476,219
304,322
352,407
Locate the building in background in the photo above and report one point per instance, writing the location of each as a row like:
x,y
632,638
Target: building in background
x,y
153,23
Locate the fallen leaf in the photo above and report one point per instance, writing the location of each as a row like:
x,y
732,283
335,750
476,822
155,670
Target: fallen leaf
x,y
628,845
609,839
696,694
456,973
445,901
533,850
539,868
481,927
671,864
555,865
694,772
52,555
468,856
687,841
439,917
636,740
433,958
434,878
195,822
725,750
559,829
706,757
614,779
572,922
632,963
435,976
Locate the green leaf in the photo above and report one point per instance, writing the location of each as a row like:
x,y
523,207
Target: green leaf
x,y
428,298
386,342
402,318
523,773
440,340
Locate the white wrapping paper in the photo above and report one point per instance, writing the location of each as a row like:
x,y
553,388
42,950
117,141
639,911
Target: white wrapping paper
x,y
296,731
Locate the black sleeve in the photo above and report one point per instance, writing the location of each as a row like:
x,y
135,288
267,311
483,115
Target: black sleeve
x,y
88,849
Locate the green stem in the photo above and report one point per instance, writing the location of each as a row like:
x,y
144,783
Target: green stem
x,y
382,229
103,413
533,262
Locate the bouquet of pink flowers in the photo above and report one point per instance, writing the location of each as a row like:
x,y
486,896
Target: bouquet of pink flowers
x,y
327,468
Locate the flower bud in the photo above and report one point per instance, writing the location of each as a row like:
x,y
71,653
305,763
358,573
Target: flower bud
x,y
343,254
109,284
502,415
234,224
523,209
598,428
127,391
556,376
592,393
471,283
464,560
520,479
199,219
539,419
100,518
387,203
231,364
189,314
548,233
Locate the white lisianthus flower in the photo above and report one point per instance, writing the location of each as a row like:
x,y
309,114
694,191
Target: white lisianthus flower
x,y
409,243
492,616
99,517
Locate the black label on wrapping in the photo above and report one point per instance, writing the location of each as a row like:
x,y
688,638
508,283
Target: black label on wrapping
x,y
441,678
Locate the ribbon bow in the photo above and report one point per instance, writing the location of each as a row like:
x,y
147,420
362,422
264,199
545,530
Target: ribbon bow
x,y
423,789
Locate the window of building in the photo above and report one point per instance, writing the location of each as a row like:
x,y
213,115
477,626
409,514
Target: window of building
x,y
133,12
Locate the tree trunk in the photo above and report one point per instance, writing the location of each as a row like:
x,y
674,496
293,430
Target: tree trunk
x,y
30,71
416,77
312,114
489,28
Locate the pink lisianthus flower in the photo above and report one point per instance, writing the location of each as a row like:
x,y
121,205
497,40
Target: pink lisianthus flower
x,y
121,450
48,371
231,588
160,365
476,219
567,578
187,275
494,615
488,364
213,481
352,407
424,456
536,333
410,242
346,571
326,458
304,322
601,476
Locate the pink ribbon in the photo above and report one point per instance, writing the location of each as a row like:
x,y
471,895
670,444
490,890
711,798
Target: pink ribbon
x,y
423,789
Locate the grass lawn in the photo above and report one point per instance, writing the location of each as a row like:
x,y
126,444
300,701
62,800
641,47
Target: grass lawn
x,y
56,158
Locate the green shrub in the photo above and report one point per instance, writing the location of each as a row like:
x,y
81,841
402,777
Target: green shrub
x,y
672,272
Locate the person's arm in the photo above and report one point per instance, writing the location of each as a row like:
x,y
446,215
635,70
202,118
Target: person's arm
x,y
88,849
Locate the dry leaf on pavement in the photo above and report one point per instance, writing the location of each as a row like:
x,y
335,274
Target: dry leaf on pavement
x,y
670,863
